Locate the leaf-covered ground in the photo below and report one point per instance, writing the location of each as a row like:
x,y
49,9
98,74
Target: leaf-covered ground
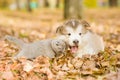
x,y
42,24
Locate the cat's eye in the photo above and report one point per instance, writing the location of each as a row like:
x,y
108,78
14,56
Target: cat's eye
x,y
57,44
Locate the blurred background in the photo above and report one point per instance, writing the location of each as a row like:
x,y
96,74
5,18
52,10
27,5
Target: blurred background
x,y
38,19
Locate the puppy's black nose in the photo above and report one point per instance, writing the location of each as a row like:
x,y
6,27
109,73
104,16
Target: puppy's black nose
x,y
75,41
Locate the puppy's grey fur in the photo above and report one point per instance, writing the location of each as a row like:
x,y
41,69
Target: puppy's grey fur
x,y
48,47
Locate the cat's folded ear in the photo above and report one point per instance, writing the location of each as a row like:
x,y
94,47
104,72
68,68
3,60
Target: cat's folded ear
x,y
66,45
53,43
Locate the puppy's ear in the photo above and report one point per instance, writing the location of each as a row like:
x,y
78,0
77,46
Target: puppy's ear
x,y
60,30
85,23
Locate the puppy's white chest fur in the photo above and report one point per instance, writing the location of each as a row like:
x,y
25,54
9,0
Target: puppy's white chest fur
x,y
91,44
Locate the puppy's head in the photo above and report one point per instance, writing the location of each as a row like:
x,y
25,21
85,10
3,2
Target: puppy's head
x,y
73,31
59,46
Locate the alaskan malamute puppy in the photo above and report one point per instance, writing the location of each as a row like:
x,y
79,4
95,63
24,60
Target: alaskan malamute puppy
x,y
80,39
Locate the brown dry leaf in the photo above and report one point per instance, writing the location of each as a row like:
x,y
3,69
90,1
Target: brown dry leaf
x,y
65,67
28,66
48,72
105,64
86,72
118,74
43,61
77,62
7,75
111,76
89,64
60,75
90,78
70,65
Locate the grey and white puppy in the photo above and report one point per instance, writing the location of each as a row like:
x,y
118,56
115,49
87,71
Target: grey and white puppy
x,y
48,47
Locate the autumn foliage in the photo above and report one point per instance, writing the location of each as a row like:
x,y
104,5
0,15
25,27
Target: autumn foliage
x,y
40,25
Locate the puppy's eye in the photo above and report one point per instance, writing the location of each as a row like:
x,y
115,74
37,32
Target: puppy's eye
x,y
80,33
69,34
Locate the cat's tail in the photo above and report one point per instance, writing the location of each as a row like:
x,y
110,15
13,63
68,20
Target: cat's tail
x,y
15,40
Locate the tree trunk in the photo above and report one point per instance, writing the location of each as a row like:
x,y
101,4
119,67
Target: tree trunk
x,y
4,3
28,6
73,9
113,3
46,3
18,4
58,2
